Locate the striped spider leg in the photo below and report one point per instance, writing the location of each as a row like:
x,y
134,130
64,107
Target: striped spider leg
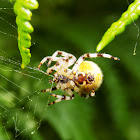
x,y
64,61
92,69
69,95
91,55
84,78
69,58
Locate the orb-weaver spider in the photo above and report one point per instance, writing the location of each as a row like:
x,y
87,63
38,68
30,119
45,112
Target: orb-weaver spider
x,y
84,78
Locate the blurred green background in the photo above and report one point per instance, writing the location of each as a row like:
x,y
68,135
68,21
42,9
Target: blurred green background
x,y
74,26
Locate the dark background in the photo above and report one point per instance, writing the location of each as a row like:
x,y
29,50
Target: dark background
x,y
74,26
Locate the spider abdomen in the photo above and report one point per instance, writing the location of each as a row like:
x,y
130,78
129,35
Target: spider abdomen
x,y
84,78
89,76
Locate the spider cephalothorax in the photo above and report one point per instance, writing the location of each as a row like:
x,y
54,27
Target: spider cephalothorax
x,y
84,78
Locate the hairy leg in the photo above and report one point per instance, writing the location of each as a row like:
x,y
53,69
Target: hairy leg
x,y
91,55
60,98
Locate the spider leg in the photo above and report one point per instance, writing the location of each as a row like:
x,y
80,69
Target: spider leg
x,y
47,58
51,69
91,55
49,89
43,61
83,95
69,58
92,94
61,66
60,98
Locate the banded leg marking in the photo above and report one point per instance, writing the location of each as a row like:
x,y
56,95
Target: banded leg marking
x,y
43,61
84,95
91,55
60,98
92,94
47,58
67,57
49,89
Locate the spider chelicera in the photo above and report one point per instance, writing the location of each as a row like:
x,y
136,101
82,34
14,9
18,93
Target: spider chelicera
x,y
84,78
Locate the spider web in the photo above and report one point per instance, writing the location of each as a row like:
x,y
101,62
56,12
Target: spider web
x,y
10,98
137,27
17,98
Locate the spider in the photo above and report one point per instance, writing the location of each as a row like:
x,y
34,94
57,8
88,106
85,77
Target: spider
x,y
84,78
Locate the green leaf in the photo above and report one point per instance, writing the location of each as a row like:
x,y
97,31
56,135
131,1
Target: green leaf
x,y
22,9
118,27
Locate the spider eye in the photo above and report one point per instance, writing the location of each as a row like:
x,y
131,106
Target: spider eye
x,y
81,78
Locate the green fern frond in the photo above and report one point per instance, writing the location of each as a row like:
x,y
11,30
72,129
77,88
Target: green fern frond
x,y
22,9
118,27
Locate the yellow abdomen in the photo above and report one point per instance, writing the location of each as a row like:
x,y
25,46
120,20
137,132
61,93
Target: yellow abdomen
x,y
89,67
